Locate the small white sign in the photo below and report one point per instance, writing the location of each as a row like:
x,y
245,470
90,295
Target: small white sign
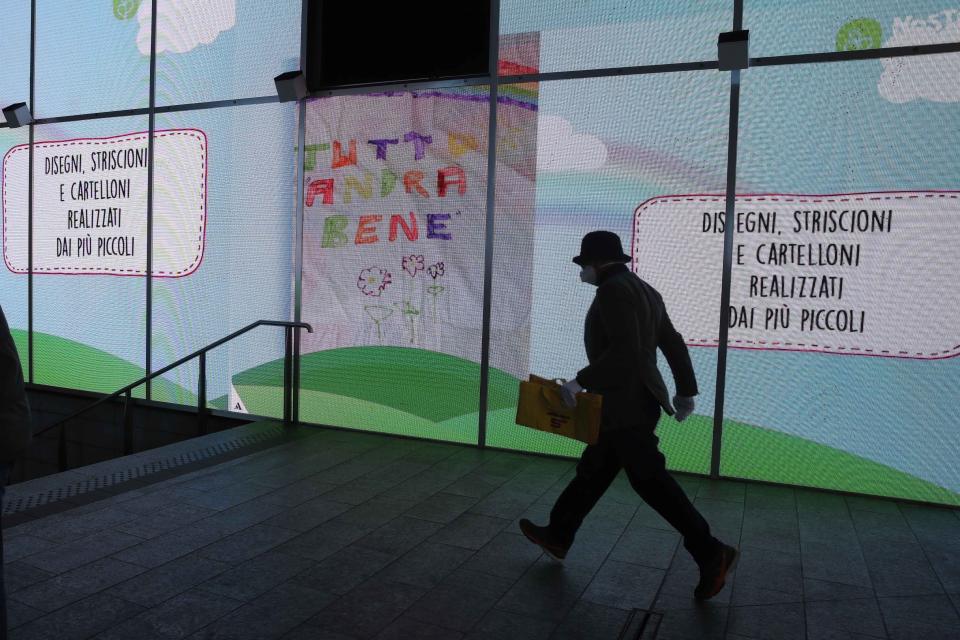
x,y
90,205
235,402
869,274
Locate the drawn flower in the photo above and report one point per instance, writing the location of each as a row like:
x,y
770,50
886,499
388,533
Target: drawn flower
x,y
435,290
411,312
407,309
412,265
378,314
435,270
373,281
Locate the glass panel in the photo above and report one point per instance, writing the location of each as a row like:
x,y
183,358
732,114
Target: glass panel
x,y
393,261
13,274
224,49
224,214
15,52
621,154
91,57
843,373
89,260
571,34
783,27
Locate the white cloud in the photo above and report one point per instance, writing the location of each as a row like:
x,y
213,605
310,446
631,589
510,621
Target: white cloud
x,y
183,25
932,77
560,149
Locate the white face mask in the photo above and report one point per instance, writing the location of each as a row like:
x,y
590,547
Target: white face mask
x,y
591,274
588,274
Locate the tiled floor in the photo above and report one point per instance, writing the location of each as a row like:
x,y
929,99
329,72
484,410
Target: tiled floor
x,y
347,535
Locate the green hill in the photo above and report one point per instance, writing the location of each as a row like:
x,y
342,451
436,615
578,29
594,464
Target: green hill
x,y
59,362
432,395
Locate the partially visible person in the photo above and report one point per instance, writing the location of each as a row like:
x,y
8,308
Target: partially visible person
x,y
15,432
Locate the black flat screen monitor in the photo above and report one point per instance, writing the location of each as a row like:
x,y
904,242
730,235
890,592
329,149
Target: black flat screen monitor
x,y
351,42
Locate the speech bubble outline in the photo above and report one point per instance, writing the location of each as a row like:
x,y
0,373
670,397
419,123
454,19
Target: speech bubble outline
x,y
194,263
786,345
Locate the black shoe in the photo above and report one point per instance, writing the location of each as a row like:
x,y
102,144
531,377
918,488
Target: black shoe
x,y
545,538
714,575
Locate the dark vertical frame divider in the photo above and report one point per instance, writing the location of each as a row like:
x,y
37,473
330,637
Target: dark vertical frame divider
x,y
300,176
733,130
490,226
148,362
33,51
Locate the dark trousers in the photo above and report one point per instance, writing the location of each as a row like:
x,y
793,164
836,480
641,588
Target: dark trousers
x,y
636,452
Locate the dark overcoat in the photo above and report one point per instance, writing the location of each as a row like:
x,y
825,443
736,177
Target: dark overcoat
x,y
15,429
625,326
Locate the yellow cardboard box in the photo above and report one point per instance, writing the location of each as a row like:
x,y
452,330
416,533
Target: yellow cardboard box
x,y
541,407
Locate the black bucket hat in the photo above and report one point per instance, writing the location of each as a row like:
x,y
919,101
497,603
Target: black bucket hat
x,y
601,246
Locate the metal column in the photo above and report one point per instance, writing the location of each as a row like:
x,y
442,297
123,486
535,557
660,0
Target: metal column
x,y
494,64
148,363
731,204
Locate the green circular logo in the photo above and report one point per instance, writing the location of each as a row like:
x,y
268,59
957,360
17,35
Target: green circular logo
x,y
125,9
860,34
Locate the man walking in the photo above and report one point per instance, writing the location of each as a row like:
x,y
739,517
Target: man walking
x,y
15,431
625,326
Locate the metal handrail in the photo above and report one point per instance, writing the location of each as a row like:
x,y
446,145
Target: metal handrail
x,y
291,371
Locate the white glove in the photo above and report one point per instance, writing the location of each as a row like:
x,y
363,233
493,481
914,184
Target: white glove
x,y
684,407
569,392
